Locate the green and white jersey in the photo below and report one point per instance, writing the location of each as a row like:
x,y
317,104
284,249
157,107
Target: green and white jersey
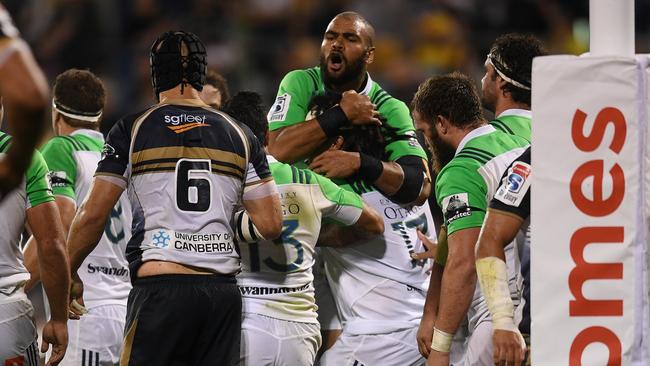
x,y
276,278
33,191
299,87
72,161
464,188
516,122
377,286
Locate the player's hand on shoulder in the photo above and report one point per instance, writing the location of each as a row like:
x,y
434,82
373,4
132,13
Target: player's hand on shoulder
x,y
359,109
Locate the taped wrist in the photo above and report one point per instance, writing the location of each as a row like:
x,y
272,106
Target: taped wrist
x,y
441,341
370,168
493,278
331,120
414,174
245,230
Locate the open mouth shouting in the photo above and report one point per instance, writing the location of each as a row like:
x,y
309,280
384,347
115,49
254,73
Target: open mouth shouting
x,y
335,62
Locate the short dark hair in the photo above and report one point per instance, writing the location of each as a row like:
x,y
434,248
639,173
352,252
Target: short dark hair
x,y
81,91
219,82
516,51
247,108
453,96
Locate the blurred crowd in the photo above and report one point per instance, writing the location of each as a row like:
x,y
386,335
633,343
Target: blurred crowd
x,y
253,43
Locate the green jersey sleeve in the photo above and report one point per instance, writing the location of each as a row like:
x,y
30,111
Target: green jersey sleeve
x,y
63,169
398,129
37,184
461,193
339,205
292,102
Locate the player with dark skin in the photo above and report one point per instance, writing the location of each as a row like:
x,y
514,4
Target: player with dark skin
x,y
346,51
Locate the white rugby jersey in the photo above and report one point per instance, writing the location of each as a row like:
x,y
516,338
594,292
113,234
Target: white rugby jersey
x,y
276,278
72,161
186,167
33,191
378,288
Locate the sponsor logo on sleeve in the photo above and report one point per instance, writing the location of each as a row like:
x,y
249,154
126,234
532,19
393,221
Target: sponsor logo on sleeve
x,y
108,151
456,206
280,108
514,186
57,179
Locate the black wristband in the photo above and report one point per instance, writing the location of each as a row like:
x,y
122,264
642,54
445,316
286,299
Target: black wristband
x,y
370,168
331,120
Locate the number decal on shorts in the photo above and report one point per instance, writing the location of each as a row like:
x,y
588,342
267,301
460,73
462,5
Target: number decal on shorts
x,y
193,188
286,238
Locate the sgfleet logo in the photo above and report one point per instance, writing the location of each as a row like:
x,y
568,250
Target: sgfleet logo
x,y
180,123
610,238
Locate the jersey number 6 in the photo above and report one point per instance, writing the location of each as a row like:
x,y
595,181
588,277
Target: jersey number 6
x,y
193,188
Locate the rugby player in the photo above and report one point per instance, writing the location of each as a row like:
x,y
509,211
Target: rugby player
x,y
346,51
187,166
72,158
472,156
24,92
506,83
280,325
215,92
33,203
508,217
378,288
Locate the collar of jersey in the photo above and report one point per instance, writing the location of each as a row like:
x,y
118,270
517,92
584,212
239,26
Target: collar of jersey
x,y
87,132
484,130
366,89
187,102
516,112
271,159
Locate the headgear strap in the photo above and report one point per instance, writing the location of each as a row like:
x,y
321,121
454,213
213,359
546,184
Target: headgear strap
x,y
502,69
76,114
169,67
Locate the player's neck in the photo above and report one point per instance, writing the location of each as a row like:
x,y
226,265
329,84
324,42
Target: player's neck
x,y
357,84
178,92
65,129
505,104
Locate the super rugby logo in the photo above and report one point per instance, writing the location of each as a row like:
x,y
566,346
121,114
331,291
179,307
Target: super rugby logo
x,y
280,108
517,176
180,123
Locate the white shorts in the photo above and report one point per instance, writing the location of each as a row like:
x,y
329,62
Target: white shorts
x,y
96,338
391,349
267,341
476,349
18,337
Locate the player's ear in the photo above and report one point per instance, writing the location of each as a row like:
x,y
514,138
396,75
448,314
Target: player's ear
x,y
370,55
442,124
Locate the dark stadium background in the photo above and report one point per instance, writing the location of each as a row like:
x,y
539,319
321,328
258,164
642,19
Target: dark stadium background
x,y
253,43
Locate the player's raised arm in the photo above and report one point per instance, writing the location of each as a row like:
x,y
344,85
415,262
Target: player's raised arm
x,y
25,94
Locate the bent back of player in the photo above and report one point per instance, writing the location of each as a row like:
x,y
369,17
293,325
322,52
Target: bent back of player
x,y
280,325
